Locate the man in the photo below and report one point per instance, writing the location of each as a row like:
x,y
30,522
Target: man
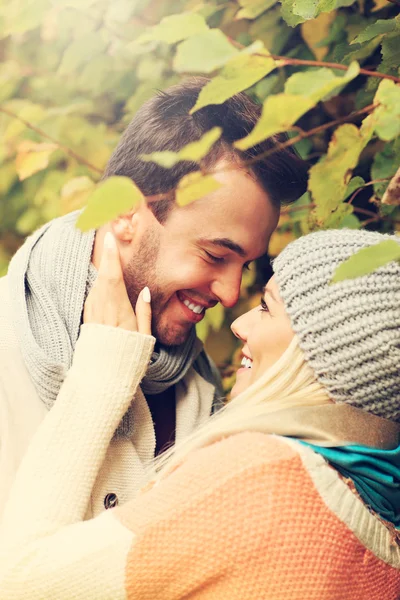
x,y
190,257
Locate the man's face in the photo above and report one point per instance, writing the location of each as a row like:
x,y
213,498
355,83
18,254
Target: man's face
x,y
196,258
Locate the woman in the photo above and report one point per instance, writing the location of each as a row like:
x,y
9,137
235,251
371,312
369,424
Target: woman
x,y
292,491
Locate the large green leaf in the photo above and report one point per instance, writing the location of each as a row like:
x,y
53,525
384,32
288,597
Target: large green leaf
x,y
203,53
115,196
175,28
320,84
384,166
279,113
386,116
302,92
251,9
237,75
391,53
329,177
194,151
380,27
367,260
303,10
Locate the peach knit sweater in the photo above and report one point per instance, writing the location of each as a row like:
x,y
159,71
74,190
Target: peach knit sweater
x,y
251,517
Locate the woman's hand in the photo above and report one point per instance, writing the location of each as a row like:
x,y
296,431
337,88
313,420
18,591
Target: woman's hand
x,y
108,302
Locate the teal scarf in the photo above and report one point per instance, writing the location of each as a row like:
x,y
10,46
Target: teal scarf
x,y
375,474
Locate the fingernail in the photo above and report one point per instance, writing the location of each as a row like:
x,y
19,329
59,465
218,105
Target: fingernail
x,y
146,294
109,240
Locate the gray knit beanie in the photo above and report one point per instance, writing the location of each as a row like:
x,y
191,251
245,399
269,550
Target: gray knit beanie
x,y
348,331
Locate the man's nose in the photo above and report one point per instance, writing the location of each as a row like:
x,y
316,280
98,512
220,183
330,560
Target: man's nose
x,y
227,288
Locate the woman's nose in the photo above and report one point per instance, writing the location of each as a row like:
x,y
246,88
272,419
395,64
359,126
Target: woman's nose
x,y
238,329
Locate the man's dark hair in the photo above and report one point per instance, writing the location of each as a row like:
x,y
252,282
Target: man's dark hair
x,y
164,123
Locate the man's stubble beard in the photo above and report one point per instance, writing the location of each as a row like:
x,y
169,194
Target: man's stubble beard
x,y
141,271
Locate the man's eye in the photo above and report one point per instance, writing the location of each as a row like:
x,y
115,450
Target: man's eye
x,y
246,266
216,259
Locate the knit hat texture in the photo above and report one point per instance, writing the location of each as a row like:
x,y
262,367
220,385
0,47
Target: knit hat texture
x,y
349,331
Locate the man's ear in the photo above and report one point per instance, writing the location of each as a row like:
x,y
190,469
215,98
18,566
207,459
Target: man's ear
x,y
124,227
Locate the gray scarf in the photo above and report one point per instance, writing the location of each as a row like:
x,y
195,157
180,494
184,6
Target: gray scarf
x,y
50,277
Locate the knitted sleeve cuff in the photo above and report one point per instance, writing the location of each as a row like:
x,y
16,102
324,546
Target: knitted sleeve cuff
x,y
104,353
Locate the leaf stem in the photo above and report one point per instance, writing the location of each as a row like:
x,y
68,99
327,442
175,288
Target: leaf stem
x,y
45,135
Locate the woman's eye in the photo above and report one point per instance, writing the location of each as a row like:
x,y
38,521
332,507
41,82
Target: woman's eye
x,y
264,307
246,266
216,259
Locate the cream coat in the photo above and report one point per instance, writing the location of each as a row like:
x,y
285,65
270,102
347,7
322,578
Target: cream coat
x,y
21,412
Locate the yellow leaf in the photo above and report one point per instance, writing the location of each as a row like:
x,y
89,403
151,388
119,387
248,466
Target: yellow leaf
x,y
380,4
194,186
316,30
74,193
279,113
194,151
32,157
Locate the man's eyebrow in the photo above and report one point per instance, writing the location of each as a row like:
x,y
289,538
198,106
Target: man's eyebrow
x,y
225,243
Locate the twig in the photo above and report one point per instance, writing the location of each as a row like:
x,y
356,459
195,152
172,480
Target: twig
x,y
306,134
285,61
48,137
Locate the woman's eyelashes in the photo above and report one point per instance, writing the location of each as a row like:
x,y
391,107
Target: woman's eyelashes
x,y
264,306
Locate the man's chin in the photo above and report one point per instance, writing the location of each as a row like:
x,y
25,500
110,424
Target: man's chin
x,y
172,336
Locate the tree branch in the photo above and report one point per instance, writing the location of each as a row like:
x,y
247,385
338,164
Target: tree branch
x,y
284,61
45,135
306,134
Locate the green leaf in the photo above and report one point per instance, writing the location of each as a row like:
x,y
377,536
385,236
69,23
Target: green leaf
x,y
390,53
194,186
380,27
203,53
251,9
81,51
367,260
329,177
303,10
175,28
385,165
237,75
354,184
386,116
302,92
320,84
194,151
115,196
279,113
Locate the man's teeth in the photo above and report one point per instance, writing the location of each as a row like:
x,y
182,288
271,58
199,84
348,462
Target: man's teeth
x,y
196,308
246,362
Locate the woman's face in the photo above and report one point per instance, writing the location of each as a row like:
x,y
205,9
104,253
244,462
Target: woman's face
x,y
266,333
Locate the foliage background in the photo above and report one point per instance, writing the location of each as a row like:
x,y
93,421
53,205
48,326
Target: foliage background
x,y
73,73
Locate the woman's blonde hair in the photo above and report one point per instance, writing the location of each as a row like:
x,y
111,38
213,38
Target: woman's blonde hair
x,y
287,383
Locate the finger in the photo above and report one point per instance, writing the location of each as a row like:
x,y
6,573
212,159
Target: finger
x,y
143,311
110,262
